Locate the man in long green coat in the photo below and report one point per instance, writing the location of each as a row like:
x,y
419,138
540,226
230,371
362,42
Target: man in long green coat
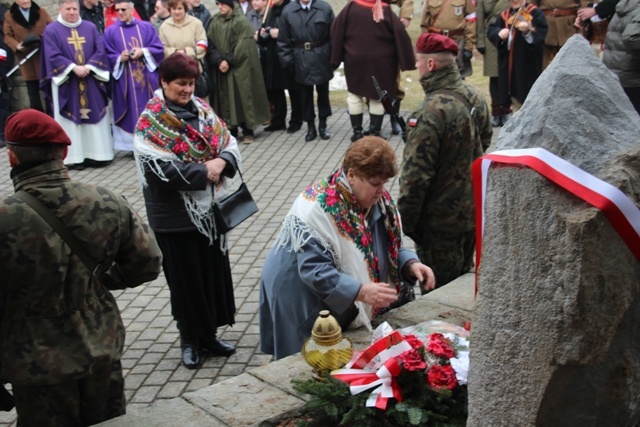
x,y
239,95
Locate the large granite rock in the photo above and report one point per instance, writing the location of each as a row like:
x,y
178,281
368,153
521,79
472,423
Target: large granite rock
x,y
556,337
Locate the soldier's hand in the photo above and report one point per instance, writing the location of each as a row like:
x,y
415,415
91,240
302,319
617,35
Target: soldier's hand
x,y
274,33
424,275
405,22
504,33
224,66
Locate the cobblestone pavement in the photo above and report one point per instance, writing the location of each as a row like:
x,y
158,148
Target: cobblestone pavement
x,y
277,167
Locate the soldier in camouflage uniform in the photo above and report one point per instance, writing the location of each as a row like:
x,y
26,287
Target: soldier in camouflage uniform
x,y
61,334
446,134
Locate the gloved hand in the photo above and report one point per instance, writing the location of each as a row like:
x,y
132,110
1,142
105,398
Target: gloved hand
x,y
467,54
481,50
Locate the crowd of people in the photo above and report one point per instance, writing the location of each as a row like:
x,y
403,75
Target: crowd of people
x,y
118,76
113,65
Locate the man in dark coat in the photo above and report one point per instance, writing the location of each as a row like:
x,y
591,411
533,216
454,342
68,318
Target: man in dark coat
x,y
277,79
369,47
520,46
91,10
304,47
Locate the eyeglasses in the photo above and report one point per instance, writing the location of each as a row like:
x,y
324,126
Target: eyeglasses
x,y
122,9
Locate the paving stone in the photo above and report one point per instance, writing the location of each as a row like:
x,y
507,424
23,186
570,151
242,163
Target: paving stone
x,y
172,389
158,378
236,402
145,394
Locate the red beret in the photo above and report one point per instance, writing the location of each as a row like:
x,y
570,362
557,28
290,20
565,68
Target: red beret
x,y
433,43
31,127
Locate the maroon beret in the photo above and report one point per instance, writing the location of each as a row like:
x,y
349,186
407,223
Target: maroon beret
x,y
31,127
433,43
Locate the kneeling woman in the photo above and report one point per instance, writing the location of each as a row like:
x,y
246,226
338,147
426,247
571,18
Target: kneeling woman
x,y
339,249
182,150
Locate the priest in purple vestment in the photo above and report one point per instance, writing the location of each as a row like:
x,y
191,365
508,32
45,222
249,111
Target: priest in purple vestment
x,y
75,72
134,50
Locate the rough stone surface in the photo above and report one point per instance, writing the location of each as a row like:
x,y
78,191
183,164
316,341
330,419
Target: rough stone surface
x,y
281,372
556,335
243,401
166,413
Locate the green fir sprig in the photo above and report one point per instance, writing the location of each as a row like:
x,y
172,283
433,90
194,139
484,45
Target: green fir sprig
x,y
332,404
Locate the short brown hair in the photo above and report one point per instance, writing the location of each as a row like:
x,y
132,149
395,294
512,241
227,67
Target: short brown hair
x,y
371,157
174,3
178,66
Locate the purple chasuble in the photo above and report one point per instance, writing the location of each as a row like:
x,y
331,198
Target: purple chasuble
x,y
83,101
135,86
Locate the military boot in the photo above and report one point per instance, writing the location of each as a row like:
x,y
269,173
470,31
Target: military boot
x,y
356,124
375,124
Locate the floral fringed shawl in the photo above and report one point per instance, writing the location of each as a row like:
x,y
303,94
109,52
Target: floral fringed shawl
x,y
161,136
328,212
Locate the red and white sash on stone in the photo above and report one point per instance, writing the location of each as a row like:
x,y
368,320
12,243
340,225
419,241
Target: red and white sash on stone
x,y
621,211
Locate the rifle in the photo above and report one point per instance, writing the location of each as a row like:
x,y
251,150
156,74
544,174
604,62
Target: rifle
x,y
388,107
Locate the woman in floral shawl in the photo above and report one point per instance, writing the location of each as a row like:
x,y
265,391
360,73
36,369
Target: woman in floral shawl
x,y
183,150
339,249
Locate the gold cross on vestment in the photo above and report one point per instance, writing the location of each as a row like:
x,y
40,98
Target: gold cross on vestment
x,y
75,40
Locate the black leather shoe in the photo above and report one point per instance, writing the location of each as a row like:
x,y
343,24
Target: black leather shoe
x,y
219,348
293,129
324,134
322,130
191,357
311,134
272,128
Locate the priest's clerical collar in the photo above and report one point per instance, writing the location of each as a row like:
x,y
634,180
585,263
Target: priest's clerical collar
x,y
69,24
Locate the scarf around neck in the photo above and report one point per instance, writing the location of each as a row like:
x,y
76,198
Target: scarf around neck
x,y
349,240
161,135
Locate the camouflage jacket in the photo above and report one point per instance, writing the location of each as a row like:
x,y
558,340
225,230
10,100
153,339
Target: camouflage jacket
x,y
443,140
59,322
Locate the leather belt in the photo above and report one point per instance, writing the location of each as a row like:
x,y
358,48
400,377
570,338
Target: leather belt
x,y
308,45
446,33
560,12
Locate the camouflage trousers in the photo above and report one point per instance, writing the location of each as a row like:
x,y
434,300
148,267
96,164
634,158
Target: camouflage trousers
x,y
450,255
86,401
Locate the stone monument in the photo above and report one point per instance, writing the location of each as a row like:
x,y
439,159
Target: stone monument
x,y
556,336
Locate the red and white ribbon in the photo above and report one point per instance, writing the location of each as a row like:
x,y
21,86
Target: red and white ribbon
x,y
379,352
621,211
383,379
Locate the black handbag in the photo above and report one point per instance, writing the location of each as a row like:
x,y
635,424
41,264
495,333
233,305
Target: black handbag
x,y
232,210
202,85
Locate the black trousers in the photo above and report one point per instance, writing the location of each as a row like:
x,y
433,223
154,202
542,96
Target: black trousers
x,y
324,106
33,87
279,100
